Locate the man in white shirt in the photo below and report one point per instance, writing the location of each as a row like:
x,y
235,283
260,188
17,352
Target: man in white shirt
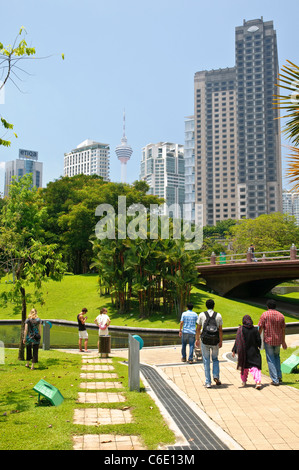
x,y
103,321
210,349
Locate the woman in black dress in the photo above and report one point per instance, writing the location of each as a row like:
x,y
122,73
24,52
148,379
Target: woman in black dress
x,y
247,347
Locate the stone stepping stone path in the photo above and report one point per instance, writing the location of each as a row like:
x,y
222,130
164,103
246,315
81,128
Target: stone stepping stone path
x,y
100,385
91,375
103,416
100,397
96,367
96,360
97,370
107,442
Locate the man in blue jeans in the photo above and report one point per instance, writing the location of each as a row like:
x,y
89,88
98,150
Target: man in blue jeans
x,y
209,351
187,332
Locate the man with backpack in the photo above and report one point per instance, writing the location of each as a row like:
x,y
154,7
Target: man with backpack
x,y
211,340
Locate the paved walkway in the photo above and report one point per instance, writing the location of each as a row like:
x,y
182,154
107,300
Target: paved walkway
x,y
244,418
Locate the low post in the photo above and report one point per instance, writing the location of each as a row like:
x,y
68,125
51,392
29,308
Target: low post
x,y
293,252
264,258
213,258
46,335
104,345
248,256
134,364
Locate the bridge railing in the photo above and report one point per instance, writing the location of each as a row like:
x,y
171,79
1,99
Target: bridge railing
x,y
249,257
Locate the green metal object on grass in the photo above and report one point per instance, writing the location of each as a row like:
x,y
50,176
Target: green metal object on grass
x,y
290,363
48,391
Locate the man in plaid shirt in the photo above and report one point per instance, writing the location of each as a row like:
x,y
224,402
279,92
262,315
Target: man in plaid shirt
x,y
272,323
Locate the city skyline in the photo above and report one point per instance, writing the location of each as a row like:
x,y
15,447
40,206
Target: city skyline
x,y
59,107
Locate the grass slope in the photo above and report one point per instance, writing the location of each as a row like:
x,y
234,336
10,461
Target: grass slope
x,y
65,299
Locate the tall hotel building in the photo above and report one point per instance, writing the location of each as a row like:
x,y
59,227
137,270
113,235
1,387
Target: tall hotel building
x,y
89,158
237,133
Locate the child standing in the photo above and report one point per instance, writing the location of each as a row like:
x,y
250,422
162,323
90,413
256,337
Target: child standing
x,y
247,347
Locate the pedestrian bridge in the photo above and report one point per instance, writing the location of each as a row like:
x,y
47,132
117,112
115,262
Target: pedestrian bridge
x,y
232,276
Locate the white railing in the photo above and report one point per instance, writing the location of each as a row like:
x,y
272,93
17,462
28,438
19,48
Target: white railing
x,y
249,257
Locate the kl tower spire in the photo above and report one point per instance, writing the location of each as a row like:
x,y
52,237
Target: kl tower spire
x,y
124,152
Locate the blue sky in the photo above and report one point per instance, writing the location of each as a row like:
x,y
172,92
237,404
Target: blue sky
x,y
134,54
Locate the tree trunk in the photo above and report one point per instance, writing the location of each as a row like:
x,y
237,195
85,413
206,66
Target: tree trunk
x,y
24,315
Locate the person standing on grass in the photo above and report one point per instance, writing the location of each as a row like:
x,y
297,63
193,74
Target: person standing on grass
x,y
82,329
247,347
103,321
272,323
32,336
187,332
211,340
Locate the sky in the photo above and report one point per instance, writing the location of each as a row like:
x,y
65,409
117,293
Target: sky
x,y
136,55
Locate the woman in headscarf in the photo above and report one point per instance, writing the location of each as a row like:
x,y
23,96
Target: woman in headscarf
x,y
247,347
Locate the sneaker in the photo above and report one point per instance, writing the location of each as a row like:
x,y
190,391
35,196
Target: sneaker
x,y
208,385
217,381
183,360
190,361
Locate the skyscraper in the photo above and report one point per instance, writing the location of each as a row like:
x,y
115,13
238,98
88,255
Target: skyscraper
x,y
237,135
259,153
163,169
216,145
124,152
189,169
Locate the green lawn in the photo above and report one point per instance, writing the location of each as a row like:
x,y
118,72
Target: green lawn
x,y
65,299
28,426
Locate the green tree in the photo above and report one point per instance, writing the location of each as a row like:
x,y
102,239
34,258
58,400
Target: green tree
x,y
267,232
23,252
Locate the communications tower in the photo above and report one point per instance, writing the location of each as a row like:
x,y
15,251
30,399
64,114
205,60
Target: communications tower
x,y
124,152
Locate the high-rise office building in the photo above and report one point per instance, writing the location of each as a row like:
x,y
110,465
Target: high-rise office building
x,y
89,158
163,169
237,135
26,163
216,145
290,201
189,169
259,157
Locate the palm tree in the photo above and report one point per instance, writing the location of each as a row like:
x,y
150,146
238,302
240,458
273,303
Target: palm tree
x,y
289,80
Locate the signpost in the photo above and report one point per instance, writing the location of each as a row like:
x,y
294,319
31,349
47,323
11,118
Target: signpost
x,y
135,344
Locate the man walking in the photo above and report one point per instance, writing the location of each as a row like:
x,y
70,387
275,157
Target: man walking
x,y
211,340
272,323
187,332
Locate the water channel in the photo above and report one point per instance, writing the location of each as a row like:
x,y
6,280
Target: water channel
x,y
64,335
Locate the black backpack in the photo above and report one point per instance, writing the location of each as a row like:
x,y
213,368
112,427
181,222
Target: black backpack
x,y
210,332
